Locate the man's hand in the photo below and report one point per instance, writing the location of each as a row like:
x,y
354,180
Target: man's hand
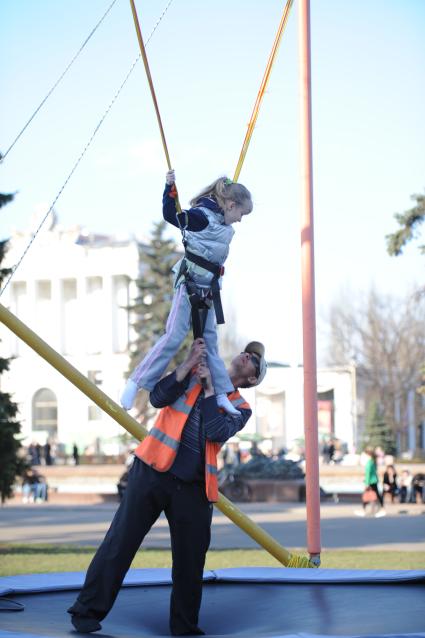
x,y
197,353
170,178
204,377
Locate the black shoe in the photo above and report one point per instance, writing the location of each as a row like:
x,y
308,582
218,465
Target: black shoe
x,y
84,624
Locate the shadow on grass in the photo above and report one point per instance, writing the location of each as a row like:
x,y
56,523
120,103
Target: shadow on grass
x,y
43,549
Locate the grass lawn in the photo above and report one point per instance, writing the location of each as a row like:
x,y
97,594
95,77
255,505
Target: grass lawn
x,y
25,559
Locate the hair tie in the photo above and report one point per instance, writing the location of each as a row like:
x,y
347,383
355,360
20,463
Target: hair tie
x,y
228,181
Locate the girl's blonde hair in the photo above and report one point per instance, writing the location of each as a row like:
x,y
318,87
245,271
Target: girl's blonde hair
x,y
224,189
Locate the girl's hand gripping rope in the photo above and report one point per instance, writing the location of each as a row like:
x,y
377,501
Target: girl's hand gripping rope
x,y
170,178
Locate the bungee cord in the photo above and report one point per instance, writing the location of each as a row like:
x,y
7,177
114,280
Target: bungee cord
x,y
57,82
152,90
263,86
34,235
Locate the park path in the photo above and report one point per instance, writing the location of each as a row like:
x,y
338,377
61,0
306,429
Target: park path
x,y
402,529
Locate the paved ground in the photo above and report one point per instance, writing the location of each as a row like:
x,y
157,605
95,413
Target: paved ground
x,y
402,529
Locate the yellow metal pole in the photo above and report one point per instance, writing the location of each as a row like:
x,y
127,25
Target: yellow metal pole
x,y
139,432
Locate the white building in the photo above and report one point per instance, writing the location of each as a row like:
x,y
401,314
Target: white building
x,y
73,289
279,406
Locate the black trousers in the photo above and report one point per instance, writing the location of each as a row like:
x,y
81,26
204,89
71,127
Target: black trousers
x,y
189,517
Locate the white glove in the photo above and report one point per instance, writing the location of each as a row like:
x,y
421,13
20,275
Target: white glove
x,y
170,178
129,394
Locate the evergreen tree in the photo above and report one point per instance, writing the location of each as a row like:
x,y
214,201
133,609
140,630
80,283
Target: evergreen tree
x,y
153,303
377,432
408,222
11,464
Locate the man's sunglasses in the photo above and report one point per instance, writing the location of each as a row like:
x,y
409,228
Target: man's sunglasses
x,y
256,363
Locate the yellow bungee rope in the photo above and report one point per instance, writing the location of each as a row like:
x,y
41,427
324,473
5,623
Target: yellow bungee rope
x,y
152,89
263,86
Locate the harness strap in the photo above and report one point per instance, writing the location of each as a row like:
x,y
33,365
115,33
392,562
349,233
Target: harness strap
x,y
217,271
200,306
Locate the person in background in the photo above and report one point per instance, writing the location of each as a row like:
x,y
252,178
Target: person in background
x,y
47,453
75,454
390,485
371,483
34,487
406,486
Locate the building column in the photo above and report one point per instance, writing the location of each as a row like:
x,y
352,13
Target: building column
x,y
411,425
56,307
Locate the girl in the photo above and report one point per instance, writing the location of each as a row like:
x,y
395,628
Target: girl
x,y
371,483
207,233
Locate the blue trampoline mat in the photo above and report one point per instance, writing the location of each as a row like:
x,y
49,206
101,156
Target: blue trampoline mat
x,y
269,602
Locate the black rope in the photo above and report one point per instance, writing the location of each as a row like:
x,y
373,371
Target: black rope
x,y
58,80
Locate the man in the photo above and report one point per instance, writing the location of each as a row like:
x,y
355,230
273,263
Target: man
x,y
175,472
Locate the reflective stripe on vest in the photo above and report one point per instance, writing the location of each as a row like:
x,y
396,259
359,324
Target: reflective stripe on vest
x,y
159,448
211,482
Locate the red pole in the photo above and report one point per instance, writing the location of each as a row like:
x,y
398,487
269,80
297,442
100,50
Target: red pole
x,y
308,291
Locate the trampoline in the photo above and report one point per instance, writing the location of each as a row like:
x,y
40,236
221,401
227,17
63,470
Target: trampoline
x,y
269,602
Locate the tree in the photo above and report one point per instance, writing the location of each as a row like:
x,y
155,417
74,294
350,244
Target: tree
x,y
376,432
409,222
385,336
153,303
11,463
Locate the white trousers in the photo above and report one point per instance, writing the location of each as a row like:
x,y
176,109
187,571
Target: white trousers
x,y
152,367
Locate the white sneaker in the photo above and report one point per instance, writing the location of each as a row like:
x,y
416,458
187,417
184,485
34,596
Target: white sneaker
x,y
360,513
225,403
380,514
129,395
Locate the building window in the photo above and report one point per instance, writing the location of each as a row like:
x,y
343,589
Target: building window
x,y
326,412
45,412
95,413
95,376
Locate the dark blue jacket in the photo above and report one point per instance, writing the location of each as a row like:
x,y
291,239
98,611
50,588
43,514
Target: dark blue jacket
x,y
206,421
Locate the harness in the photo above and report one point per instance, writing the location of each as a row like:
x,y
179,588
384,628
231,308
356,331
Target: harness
x,y
199,302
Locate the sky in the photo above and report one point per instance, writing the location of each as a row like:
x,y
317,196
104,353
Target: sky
x,y
207,60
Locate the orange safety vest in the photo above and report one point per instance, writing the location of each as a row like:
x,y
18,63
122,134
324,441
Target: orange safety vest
x,y
159,448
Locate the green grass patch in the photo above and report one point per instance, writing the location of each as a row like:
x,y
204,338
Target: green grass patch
x,y
37,559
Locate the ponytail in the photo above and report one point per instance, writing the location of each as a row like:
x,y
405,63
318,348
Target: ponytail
x,y
224,189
